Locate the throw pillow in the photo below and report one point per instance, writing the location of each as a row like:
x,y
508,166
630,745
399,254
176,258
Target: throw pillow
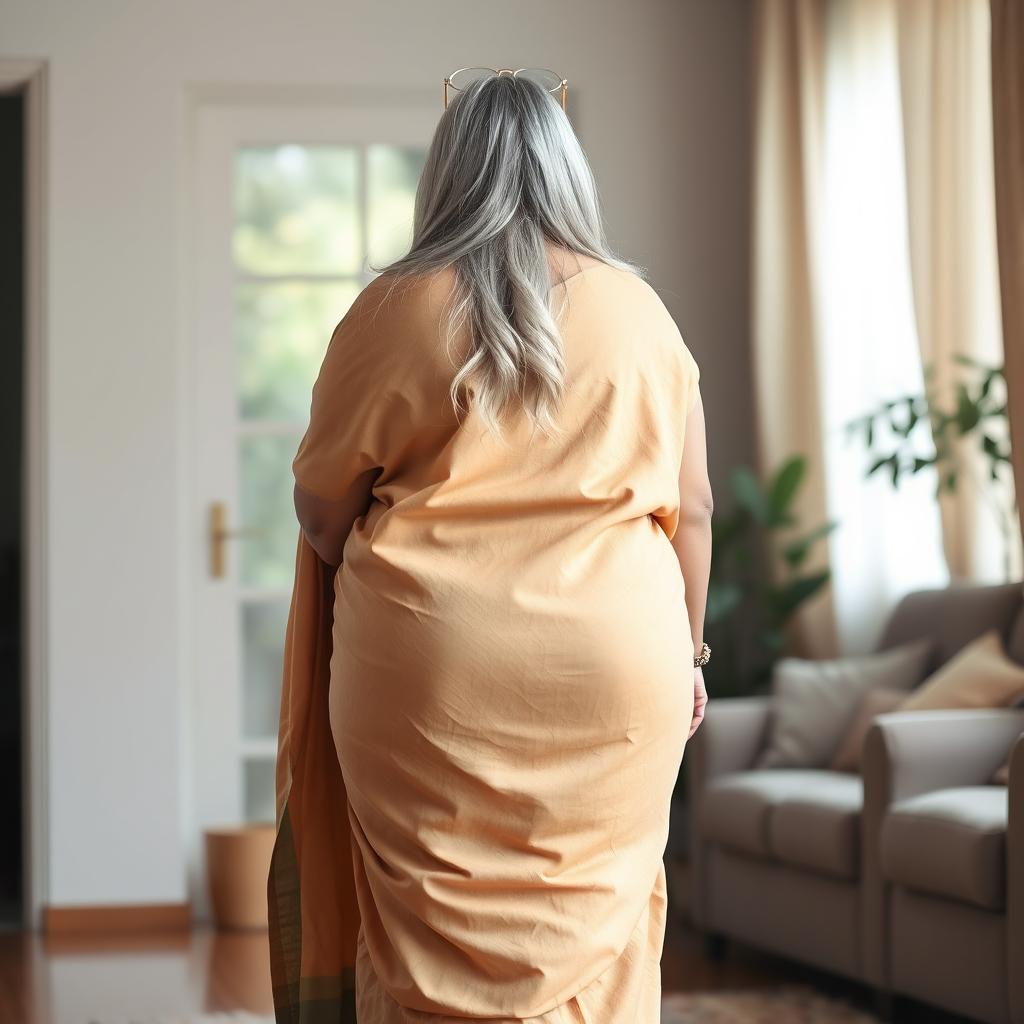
x,y
874,702
981,675
814,701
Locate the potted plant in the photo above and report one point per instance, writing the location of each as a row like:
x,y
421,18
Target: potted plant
x,y
748,606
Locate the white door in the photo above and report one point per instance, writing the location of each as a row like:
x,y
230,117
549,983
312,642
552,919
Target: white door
x,y
291,203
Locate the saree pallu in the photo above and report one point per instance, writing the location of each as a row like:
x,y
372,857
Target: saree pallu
x,y
311,899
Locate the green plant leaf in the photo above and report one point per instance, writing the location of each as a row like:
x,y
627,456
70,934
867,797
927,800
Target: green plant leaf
x,y
784,487
723,600
749,495
785,599
796,551
963,360
967,413
725,529
884,460
994,449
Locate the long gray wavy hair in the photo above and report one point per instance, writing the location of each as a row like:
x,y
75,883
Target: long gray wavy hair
x,y
504,175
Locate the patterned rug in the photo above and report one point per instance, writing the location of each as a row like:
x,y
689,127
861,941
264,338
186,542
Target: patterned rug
x,y
793,1005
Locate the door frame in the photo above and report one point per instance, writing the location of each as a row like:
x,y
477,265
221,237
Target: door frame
x,y
29,77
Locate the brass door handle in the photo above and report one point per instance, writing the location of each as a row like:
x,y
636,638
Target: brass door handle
x,y
220,533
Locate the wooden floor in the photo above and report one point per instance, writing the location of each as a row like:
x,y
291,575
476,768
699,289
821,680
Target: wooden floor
x,y
137,979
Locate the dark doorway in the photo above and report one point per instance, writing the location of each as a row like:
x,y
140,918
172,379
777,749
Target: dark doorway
x,y
12,489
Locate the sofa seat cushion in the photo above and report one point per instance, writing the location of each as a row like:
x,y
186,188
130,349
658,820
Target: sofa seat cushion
x,y
803,816
819,828
950,843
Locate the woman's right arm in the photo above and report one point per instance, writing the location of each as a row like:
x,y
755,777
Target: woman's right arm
x,y
692,539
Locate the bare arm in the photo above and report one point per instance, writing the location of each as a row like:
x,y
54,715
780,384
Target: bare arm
x,y
692,539
327,524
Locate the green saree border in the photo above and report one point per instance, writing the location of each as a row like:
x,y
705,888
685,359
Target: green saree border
x,y
298,1000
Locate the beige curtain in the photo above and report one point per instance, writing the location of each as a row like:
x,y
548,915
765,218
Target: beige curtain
x,y
788,88
1008,130
944,63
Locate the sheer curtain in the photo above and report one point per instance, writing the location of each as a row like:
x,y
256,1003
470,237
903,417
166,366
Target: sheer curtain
x,y
855,218
788,123
945,73
889,541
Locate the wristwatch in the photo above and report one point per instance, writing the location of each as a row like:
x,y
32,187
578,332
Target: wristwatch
x,y
703,658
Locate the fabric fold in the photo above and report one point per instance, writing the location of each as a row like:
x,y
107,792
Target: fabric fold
x,y
313,913
484,709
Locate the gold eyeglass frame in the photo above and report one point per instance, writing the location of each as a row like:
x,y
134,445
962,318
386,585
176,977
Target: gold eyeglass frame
x,y
562,88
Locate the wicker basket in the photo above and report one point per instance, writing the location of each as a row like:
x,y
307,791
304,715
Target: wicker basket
x,y
237,866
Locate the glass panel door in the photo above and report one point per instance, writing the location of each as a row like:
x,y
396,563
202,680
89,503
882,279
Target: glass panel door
x,y
307,222
292,207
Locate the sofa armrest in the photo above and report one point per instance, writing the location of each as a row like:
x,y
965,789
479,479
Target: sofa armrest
x,y
728,740
911,752
1015,882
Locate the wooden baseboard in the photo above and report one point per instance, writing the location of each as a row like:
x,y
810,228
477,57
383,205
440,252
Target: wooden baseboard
x,y
152,917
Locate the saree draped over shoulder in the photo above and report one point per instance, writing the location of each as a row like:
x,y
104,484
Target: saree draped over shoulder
x,y
484,709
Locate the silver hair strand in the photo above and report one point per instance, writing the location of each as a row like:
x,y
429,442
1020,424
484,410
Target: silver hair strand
x,y
505,174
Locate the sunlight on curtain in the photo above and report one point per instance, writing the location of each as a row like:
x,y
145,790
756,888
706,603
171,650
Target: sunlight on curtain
x,y
888,541
946,76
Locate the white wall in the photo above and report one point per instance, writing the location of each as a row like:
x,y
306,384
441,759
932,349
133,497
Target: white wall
x,y
660,94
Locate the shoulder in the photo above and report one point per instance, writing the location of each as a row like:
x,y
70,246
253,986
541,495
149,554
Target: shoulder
x,y
633,303
402,301
629,291
391,308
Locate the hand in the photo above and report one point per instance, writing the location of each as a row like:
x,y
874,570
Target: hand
x,y
700,700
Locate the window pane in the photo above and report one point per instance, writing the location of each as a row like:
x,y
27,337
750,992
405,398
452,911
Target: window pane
x,y
393,174
268,558
263,628
295,210
282,331
260,791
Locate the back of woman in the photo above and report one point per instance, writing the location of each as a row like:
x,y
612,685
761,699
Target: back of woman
x,y
513,640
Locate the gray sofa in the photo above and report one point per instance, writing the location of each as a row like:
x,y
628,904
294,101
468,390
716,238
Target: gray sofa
x,y
820,866
944,847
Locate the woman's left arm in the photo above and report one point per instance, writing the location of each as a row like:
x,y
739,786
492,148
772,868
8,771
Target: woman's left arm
x,y
345,444
327,523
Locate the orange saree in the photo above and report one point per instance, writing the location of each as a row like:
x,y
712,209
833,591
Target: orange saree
x,y
484,710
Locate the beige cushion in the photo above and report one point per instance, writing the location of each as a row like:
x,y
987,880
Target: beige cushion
x,y
806,817
873,703
979,676
819,829
951,843
814,701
